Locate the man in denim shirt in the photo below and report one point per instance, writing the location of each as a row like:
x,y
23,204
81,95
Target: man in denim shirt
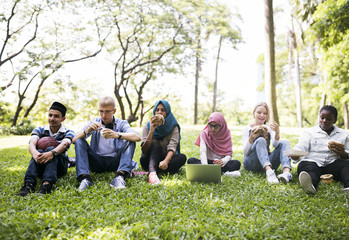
x,y
111,149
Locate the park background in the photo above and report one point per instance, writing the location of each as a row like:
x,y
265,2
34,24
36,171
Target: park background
x,y
142,51
75,51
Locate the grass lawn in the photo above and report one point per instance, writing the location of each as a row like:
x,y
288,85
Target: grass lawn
x,y
238,208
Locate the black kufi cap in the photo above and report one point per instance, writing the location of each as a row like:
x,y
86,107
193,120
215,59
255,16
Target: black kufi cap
x,y
59,107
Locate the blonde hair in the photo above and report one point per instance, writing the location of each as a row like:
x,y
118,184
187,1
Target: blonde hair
x,y
106,101
263,104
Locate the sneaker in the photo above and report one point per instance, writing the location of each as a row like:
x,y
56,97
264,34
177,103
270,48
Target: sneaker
x,y
26,189
346,190
84,184
307,184
45,189
71,162
233,174
118,182
153,178
285,177
271,177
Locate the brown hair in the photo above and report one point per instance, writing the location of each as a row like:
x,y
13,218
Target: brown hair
x,y
106,101
263,104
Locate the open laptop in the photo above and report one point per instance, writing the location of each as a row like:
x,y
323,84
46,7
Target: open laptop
x,y
203,173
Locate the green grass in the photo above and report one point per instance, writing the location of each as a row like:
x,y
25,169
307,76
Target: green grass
x,y
242,208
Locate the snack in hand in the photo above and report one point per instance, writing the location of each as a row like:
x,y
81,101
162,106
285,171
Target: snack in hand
x,y
332,145
295,153
103,132
160,119
260,131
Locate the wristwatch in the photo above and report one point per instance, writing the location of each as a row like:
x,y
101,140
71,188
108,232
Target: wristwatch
x,y
54,153
119,136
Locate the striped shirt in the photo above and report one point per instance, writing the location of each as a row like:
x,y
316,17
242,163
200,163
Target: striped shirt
x,y
62,134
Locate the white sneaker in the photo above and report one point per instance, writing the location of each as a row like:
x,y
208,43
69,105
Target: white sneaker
x,y
307,184
154,179
85,183
118,182
346,190
233,174
285,177
271,177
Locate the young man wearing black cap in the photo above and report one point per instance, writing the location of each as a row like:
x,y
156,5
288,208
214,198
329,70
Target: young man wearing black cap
x,y
113,143
53,161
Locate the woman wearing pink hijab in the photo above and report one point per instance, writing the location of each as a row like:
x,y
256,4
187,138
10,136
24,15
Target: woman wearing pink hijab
x,y
216,146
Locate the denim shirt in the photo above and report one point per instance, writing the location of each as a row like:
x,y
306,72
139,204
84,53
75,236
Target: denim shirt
x,y
119,125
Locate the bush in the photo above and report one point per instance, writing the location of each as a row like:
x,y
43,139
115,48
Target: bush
x,y
23,129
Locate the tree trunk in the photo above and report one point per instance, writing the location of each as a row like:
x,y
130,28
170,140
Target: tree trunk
x,y
346,120
141,114
117,87
290,56
197,74
298,81
18,109
214,106
323,100
270,78
36,97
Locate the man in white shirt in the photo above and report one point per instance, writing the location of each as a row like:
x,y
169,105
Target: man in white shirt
x,y
323,158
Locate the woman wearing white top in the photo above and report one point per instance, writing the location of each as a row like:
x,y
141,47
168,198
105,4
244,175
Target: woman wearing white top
x,y
256,139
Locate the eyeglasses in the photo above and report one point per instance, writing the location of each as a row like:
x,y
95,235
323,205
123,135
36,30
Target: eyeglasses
x,y
217,126
106,112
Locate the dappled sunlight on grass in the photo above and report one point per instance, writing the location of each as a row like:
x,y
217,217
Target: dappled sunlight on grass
x,y
106,233
172,182
213,200
15,169
14,141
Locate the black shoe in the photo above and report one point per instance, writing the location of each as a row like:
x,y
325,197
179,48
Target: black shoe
x,y
26,189
71,162
45,189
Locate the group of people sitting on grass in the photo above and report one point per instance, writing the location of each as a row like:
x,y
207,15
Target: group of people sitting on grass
x,y
113,143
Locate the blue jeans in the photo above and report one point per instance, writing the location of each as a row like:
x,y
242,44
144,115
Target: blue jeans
x,y
259,158
87,159
49,171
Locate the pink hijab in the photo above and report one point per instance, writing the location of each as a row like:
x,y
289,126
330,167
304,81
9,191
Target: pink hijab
x,y
221,142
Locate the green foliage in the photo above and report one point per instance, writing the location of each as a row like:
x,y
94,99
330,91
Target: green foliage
x,y
331,22
39,38
5,112
331,30
238,208
24,129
